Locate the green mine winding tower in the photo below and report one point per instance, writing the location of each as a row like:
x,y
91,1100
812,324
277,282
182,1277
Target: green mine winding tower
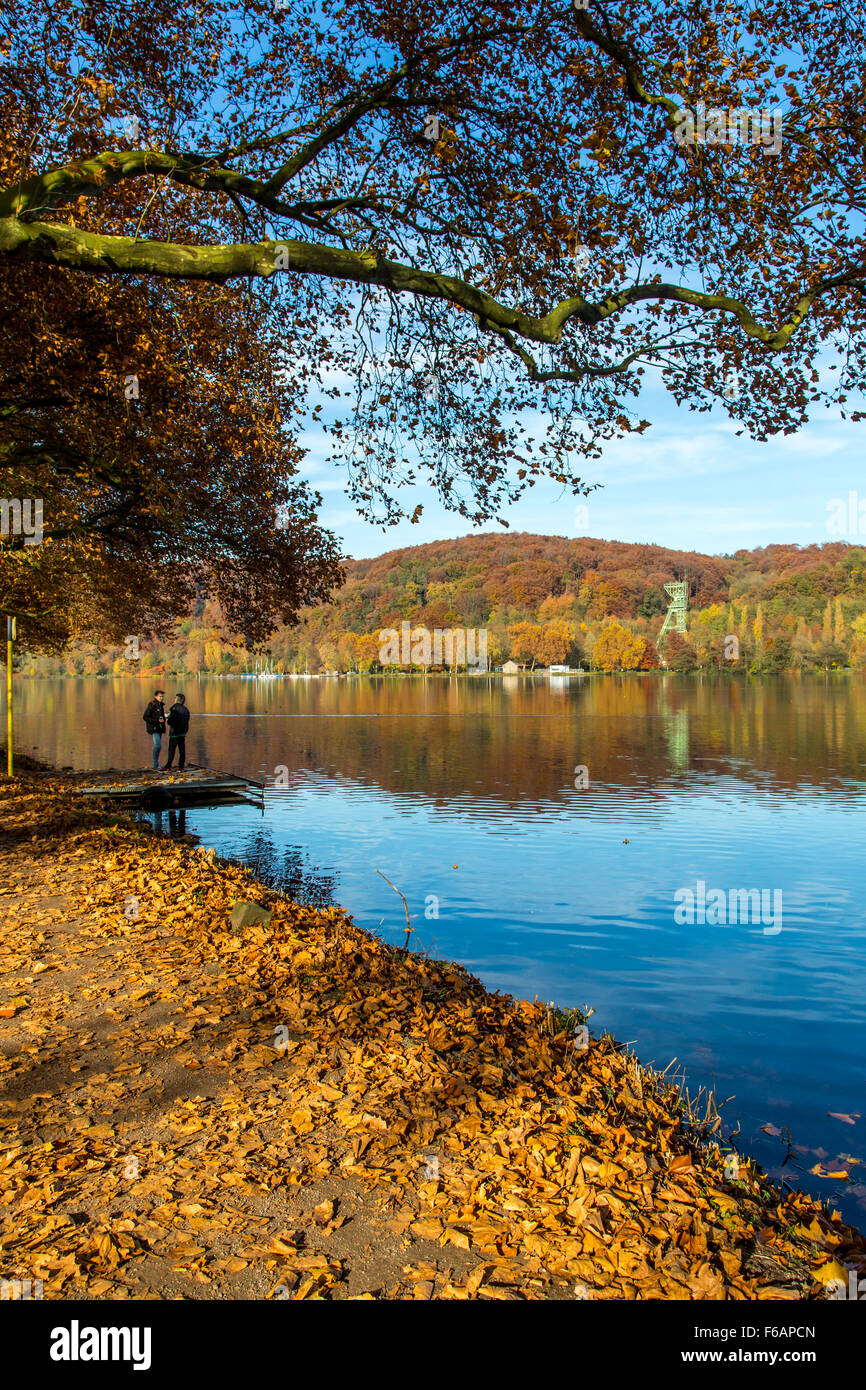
x,y
679,606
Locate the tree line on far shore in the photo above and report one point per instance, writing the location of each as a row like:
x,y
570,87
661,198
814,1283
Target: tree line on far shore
x,y
544,600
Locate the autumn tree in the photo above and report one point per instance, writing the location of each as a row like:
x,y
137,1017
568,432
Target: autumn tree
x,y
858,642
827,628
524,642
607,600
555,643
649,657
617,649
161,472
778,656
368,647
830,655
466,218
679,653
347,651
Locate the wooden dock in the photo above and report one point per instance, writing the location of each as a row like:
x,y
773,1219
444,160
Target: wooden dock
x,y
194,784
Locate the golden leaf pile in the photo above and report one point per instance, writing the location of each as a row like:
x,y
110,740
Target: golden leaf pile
x,y
302,1111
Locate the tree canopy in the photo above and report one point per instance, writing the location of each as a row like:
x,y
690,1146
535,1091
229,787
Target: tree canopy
x,y
161,469
468,219
454,240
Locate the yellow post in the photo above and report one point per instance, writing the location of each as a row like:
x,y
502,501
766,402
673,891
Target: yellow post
x,y
10,634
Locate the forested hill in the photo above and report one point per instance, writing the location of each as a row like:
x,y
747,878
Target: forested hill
x,y
520,571
548,598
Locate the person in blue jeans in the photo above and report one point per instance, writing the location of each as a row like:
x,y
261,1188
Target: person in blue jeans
x,y
154,722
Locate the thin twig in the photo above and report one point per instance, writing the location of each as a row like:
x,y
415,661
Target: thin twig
x,y
409,927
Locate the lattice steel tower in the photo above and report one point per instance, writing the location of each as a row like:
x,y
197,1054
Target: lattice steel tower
x,y
679,607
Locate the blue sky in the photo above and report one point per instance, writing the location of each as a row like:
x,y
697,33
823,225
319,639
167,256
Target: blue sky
x,y
688,483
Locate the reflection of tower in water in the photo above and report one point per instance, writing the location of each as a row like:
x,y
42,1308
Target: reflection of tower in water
x,y
677,734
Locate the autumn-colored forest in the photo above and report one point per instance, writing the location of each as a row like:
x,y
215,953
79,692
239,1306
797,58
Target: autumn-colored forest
x,y
543,600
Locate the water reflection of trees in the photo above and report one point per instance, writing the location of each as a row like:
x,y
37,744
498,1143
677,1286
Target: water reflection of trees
x,y
511,740
285,869
635,735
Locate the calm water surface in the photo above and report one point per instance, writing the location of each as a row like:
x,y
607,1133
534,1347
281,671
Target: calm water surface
x,y
462,792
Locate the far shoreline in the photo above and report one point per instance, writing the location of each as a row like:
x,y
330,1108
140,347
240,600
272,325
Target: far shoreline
x,y
162,674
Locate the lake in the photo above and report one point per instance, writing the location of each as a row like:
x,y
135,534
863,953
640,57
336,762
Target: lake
x,y
463,793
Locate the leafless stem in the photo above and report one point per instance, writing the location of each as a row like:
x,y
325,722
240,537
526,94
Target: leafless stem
x,y
409,928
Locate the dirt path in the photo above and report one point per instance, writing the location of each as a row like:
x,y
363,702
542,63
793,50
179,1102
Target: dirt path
x,y
297,1110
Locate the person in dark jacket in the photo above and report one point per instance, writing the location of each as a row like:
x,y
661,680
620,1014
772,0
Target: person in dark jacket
x,y
154,722
178,723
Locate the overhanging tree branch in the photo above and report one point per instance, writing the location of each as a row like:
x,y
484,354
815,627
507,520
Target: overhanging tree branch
x,y
77,249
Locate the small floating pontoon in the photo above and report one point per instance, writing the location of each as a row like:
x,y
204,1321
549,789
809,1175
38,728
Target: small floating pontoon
x,y
174,788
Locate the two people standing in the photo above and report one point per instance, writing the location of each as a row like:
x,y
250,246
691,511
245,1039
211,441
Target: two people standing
x,y
177,721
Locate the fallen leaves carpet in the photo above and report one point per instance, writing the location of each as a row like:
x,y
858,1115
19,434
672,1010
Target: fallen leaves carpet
x,y
299,1110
